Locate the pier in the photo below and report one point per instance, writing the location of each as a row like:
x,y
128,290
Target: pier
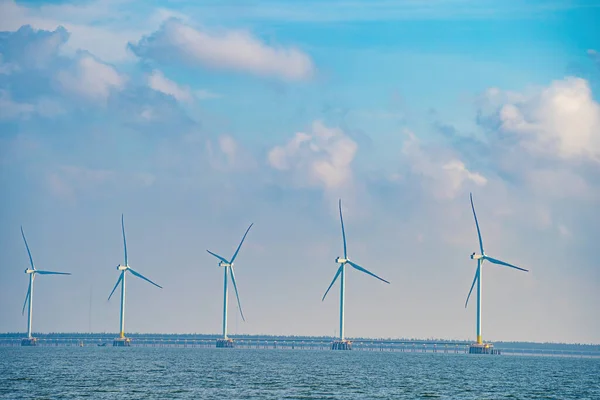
x,y
296,343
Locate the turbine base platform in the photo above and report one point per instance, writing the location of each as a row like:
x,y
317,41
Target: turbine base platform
x,y
122,342
29,341
225,343
483,348
341,345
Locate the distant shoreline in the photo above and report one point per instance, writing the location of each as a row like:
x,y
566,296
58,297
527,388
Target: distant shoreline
x,y
189,336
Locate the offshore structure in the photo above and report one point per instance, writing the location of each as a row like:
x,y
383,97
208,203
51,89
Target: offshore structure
x,y
342,343
480,347
122,340
32,272
225,341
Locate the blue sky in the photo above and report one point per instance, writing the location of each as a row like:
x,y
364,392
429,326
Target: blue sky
x,y
196,119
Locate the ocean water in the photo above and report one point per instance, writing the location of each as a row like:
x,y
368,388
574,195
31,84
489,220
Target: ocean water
x,y
196,373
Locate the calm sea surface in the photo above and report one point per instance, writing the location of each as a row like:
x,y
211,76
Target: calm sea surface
x,y
195,373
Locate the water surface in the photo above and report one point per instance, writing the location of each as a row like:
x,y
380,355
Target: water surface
x,y
197,373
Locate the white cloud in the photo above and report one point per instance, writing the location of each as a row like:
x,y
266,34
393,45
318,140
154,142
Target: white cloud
x,y
561,120
228,155
160,83
228,146
90,79
70,181
93,26
10,109
67,180
443,173
594,55
236,50
564,231
206,94
321,158
6,68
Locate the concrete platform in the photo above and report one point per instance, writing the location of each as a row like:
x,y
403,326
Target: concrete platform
x,y
483,348
29,342
341,345
122,342
225,343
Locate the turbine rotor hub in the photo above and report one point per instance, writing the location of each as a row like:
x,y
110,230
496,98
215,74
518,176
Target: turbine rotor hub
x,y
122,267
341,260
29,271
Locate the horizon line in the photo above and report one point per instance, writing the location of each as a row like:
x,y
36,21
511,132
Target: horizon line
x,y
214,335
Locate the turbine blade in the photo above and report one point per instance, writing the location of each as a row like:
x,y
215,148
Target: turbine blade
x,y
143,277
27,246
474,280
236,292
124,241
339,271
117,284
238,249
358,267
219,257
499,262
476,224
51,273
343,231
26,299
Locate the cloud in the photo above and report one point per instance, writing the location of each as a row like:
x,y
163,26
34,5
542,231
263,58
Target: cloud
x,y
159,82
71,181
564,231
101,27
90,79
32,49
595,56
67,180
234,50
561,120
7,68
438,169
321,158
229,155
10,109
39,72
206,94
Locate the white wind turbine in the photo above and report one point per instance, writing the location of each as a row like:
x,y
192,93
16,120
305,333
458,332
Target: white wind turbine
x,y
32,272
122,340
343,344
480,259
228,269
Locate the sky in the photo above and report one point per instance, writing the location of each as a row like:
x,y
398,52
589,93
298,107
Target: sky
x,y
195,119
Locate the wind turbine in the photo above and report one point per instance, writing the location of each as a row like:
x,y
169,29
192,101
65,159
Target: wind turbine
x,y
32,272
480,259
343,344
228,268
122,340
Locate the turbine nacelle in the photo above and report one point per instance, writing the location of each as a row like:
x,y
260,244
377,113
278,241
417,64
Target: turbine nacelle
x,y
475,256
29,271
122,267
341,260
224,264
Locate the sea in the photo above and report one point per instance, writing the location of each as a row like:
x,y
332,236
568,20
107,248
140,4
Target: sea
x,y
200,373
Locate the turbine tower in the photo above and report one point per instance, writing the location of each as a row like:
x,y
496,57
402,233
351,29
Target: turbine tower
x,y
480,347
32,272
342,343
122,340
228,269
